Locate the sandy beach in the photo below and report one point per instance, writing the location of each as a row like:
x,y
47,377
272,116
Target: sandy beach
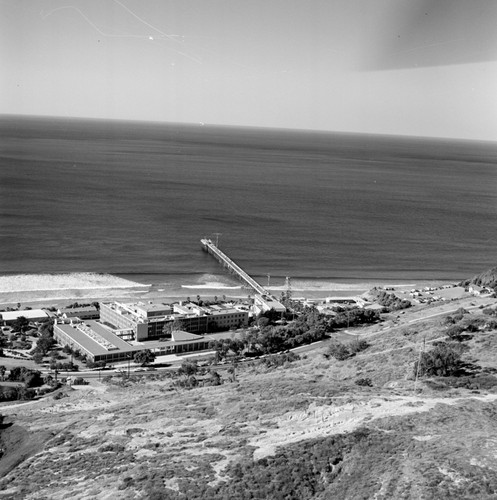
x,y
43,290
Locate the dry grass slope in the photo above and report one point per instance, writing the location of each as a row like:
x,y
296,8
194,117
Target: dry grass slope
x,y
304,430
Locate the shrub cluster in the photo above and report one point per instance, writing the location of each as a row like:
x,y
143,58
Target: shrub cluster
x,y
276,360
95,364
342,351
339,351
443,360
16,393
391,302
353,317
30,378
273,339
366,382
66,367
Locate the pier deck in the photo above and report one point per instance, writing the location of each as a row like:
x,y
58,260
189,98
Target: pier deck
x,y
220,256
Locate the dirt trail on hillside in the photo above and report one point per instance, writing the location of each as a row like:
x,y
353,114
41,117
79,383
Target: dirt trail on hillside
x,y
321,421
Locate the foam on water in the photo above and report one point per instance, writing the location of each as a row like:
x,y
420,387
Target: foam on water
x,y
54,282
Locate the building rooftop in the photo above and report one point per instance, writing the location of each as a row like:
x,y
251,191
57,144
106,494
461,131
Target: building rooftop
x,y
178,337
74,311
182,336
99,340
27,313
270,302
96,338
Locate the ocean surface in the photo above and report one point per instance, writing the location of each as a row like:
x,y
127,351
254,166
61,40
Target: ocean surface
x,y
134,199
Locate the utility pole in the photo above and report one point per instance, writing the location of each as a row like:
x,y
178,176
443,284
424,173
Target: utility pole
x,y
288,288
421,352
268,278
217,238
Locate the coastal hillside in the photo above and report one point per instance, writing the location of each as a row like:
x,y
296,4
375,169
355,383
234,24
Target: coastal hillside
x,y
407,410
487,278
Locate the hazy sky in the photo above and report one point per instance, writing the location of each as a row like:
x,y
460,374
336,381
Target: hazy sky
x,y
412,67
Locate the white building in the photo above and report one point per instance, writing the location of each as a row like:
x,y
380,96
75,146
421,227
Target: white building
x,y
10,317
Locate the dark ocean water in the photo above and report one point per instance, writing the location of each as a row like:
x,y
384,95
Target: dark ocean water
x,y
134,199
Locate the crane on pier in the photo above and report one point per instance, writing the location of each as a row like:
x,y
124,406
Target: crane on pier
x,y
217,238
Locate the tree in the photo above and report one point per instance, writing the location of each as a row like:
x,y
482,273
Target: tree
x,y
32,378
21,324
262,322
38,358
46,328
173,326
67,349
443,361
144,357
2,371
391,301
454,332
44,344
221,347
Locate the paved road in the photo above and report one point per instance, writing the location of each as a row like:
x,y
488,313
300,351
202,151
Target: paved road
x,y
343,335
444,312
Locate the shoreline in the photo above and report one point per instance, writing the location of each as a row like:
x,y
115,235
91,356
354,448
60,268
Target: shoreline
x,y
65,288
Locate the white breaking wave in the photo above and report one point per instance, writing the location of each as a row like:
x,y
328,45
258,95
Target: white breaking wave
x,y
212,286
70,281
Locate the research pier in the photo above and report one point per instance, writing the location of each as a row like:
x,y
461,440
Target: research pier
x,y
263,298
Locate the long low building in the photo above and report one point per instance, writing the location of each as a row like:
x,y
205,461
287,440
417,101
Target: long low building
x,y
95,341
82,312
10,317
98,342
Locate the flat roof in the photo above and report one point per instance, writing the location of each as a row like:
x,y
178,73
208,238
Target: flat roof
x,y
147,306
27,313
179,337
78,309
93,346
271,302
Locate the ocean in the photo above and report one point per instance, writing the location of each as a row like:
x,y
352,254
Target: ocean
x,y
133,199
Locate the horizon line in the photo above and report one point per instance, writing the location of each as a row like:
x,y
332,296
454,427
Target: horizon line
x,y
241,126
